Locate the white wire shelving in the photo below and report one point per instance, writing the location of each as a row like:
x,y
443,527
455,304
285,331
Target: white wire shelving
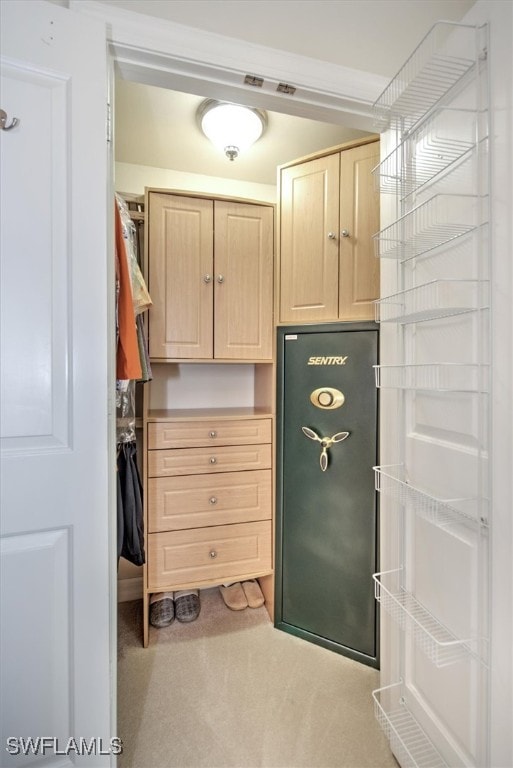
x,y
437,109
439,644
390,482
432,300
433,223
445,55
444,377
434,148
408,741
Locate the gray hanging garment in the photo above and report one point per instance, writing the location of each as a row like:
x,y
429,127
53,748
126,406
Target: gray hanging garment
x,y
130,506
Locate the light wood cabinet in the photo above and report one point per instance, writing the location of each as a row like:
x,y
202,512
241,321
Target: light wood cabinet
x,y
180,264
329,210
210,276
196,501
208,479
212,433
195,461
205,555
209,489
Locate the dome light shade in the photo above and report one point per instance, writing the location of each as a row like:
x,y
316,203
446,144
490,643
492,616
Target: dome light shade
x,y
232,128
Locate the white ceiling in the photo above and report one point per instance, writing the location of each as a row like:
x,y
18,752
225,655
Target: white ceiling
x,y
371,35
157,127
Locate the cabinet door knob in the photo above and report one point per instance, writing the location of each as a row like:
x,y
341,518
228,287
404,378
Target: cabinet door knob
x,y
213,500
207,278
213,460
220,278
332,236
213,433
213,553
344,233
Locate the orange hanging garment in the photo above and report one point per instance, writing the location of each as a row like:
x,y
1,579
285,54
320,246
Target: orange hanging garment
x,y
128,363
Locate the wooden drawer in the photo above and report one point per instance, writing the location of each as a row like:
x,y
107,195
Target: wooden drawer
x,y
208,555
188,501
195,434
191,461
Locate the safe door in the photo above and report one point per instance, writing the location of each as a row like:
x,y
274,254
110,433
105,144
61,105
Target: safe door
x,y
326,537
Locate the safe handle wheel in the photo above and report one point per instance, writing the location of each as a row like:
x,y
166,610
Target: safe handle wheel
x,y
326,442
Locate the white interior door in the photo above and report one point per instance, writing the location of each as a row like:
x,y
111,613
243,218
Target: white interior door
x,y
434,585
55,628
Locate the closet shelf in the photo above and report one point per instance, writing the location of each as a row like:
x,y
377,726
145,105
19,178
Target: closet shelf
x,y
444,56
443,377
200,414
436,146
433,300
436,222
408,741
440,645
389,481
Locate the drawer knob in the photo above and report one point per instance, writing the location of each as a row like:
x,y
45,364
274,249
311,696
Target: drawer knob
x,y
213,433
213,553
213,500
213,460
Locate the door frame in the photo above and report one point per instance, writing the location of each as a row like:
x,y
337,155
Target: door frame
x,y
165,54
168,55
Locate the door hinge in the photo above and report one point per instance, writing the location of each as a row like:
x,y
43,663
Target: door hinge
x,y
109,123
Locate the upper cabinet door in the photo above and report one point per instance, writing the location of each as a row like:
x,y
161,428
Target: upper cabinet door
x,y
359,220
243,281
309,222
180,272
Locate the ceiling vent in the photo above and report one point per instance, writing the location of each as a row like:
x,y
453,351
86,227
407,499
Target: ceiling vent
x,y
253,80
286,88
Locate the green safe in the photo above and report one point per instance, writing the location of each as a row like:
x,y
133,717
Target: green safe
x,y
327,527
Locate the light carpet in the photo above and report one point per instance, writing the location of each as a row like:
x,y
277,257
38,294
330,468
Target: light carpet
x,y
230,690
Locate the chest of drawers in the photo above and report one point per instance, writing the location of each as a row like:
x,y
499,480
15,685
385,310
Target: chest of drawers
x,y
209,502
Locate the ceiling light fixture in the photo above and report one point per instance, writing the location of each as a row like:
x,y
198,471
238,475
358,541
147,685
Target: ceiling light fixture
x,y
232,128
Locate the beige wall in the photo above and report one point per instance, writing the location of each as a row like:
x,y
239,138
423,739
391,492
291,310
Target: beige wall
x,y
134,178
128,570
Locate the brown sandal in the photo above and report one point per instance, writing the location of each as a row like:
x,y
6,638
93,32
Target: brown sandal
x,y
234,597
253,593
